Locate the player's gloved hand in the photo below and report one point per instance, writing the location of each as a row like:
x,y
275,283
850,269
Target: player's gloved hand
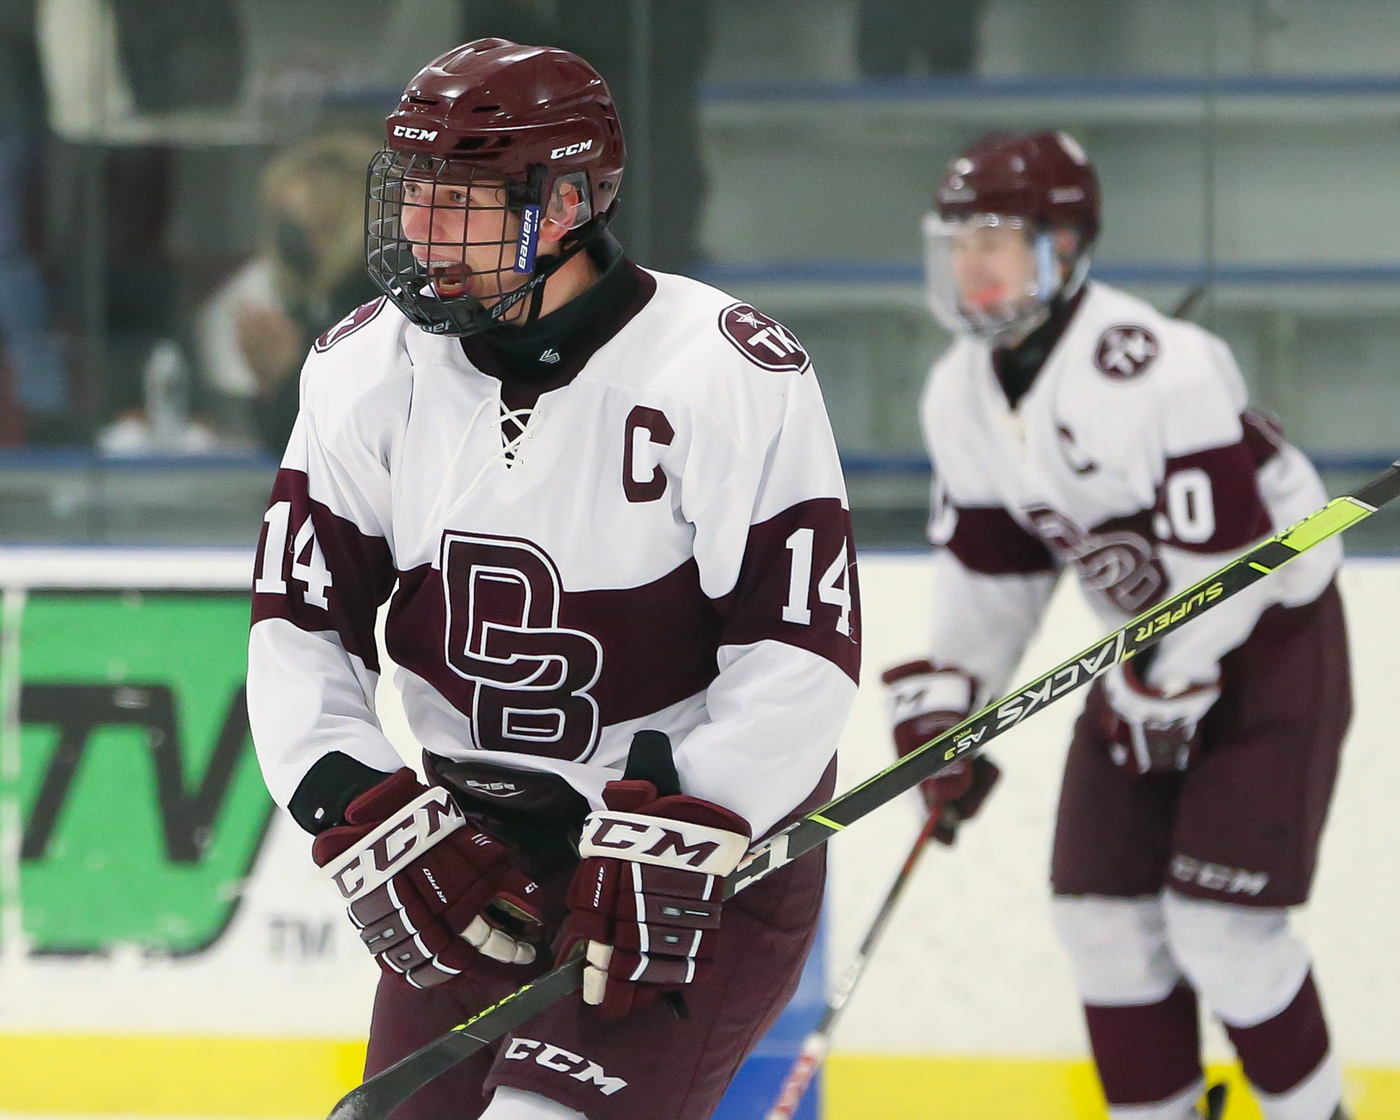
x,y
924,701
646,899
1152,731
428,891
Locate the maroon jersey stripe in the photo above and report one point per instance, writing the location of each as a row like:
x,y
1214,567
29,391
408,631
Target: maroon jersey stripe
x,y
360,569
766,602
656,644
987,539
658,640
1210,500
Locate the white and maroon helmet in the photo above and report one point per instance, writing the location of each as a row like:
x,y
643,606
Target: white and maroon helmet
x,y
493,111
1039,183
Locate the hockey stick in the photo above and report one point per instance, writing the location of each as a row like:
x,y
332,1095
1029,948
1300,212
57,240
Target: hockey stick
x,y
1187,303
814,1046
383,1092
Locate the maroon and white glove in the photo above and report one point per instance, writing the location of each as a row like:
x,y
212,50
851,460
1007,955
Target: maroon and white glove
x,y
1152,731
646,899
924,701
427,890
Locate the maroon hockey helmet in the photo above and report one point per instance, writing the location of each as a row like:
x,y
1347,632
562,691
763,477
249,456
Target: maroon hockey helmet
x,y
489,126
1043,177
1038,185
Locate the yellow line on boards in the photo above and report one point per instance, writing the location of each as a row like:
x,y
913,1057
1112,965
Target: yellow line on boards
x,y
250,1078
287,1078
912,1087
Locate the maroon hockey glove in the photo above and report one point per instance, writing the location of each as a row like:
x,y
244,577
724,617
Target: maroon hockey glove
x,y
924,701
427,891
645,902
1152,731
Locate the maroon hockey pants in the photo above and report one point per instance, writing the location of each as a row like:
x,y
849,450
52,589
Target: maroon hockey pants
x,y
648,1065
1242,827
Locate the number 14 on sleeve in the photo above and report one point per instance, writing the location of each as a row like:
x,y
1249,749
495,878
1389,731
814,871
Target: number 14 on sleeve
x,y
832,588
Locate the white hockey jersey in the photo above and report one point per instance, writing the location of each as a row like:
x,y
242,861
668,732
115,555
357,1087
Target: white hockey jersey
x,y
661,542
1131,459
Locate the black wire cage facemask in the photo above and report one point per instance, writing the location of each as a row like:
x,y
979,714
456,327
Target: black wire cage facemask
x,y
418,210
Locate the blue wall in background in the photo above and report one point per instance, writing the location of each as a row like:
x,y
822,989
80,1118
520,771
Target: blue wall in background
x,y
754,1089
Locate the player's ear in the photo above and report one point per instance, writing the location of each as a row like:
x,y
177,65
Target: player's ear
x,y
1066,242
563,213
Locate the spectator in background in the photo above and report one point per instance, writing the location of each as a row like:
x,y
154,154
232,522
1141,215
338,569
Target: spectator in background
x,y
309,273
29,345
174,57
673,198
895,38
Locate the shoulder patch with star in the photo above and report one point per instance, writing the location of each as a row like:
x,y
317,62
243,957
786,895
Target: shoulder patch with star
x,y
762,339
1125,351
350,324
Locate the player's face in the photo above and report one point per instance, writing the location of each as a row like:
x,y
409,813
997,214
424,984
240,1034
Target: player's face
x,y
464,236
994,267
993,275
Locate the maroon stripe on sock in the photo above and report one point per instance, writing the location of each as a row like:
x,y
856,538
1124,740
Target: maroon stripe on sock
x,y
1147,1053
1281,1052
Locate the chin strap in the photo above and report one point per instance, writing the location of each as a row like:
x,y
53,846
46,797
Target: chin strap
x,y
1078,273
545,267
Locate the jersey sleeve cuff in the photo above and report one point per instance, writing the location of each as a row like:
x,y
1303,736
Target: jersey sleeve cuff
x,y
328,788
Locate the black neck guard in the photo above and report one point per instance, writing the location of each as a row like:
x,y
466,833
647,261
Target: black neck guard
x,y
1018,366
550,351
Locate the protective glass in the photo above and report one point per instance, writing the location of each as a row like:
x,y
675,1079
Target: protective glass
x,y
452,245
989,275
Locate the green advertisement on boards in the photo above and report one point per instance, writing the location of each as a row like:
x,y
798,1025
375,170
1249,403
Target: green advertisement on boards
x,y
141,803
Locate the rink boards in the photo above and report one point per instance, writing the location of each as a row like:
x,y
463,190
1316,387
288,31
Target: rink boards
x,y
167,948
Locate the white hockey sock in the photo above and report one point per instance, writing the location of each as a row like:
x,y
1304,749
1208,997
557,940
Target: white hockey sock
x,y
1180,1107
1314,1098
516,1104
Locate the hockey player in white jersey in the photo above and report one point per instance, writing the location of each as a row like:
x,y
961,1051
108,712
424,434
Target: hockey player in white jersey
x,y
606,501
1073,426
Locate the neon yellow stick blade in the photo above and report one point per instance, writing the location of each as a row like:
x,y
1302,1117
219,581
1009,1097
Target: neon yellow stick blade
x,y
1331,519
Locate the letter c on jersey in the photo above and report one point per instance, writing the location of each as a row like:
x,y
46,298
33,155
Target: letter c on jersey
x,y
644,426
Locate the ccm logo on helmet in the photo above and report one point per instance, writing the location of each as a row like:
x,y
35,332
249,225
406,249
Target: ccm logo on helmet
x,y
571,149
409,133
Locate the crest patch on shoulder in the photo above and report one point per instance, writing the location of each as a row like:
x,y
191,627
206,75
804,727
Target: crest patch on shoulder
x,y
1126,351
350,324
762,339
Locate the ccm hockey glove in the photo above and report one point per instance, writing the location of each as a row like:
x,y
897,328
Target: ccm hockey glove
x,y
427,891
924,701
645,902
1152,731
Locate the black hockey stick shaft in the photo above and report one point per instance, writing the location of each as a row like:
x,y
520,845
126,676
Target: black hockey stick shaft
x,y
380,1094
1187,303
814,1046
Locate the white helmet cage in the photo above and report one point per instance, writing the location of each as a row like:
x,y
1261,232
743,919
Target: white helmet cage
x,y
1021,311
